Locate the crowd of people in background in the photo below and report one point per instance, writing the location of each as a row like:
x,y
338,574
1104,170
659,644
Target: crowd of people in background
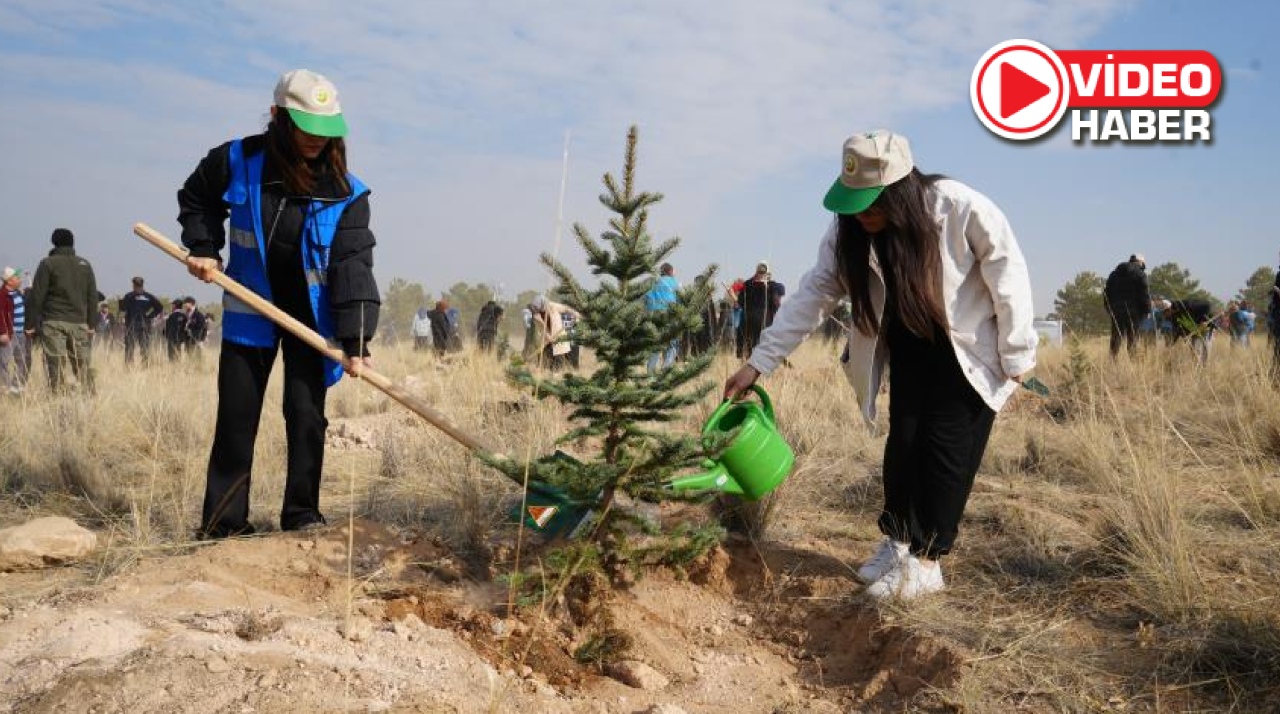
x,y
64,314
1137,316
731,321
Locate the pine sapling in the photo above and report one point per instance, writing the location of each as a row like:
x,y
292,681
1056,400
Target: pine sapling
x,y
619,409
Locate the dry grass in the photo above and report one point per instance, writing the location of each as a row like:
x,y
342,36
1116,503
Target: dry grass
x,y
1119,551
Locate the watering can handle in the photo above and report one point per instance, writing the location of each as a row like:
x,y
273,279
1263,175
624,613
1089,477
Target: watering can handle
x,y
765,402
727,404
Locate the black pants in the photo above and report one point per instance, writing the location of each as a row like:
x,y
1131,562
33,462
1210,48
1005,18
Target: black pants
x,y
938,430
1275,356
751,330
137,338
1124,329
242,385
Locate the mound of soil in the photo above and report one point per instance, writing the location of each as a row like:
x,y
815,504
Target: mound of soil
x,y
286,622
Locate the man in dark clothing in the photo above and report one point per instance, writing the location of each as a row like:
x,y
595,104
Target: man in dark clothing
x,y
175,331
759,299
139,309
440,328
1192,318
62,310
487,325
1273,326
703,339
197,326
1128,300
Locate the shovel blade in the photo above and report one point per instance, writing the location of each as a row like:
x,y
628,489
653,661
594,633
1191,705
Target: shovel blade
x,y
550,512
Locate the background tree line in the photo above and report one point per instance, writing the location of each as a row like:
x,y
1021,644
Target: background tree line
x,y
403,298
1079,303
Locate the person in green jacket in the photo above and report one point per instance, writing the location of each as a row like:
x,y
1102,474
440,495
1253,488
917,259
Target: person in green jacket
x,y
62,310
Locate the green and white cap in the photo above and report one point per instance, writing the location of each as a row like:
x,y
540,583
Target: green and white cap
x,y
871,161
312,103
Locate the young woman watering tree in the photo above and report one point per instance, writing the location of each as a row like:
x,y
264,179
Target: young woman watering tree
x,y
940,294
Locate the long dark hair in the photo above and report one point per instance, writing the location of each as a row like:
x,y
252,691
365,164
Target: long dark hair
x,y
913,258
300,176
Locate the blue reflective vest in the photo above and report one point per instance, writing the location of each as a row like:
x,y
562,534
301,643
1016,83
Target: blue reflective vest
x,y
247,259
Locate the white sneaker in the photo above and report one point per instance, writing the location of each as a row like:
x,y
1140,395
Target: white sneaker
x,y
912,578
886,558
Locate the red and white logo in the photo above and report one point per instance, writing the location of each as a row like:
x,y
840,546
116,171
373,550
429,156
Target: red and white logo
x,y
1021,89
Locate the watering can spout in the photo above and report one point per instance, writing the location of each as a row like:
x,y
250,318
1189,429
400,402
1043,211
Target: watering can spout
x,y
715,478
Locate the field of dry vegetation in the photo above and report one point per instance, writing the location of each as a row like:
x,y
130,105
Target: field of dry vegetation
x,y
1119,553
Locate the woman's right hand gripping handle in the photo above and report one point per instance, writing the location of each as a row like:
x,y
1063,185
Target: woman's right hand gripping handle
x,y
204,268
740,381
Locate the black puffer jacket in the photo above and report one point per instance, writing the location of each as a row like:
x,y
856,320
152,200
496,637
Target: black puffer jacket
x,y
1126,290
353,291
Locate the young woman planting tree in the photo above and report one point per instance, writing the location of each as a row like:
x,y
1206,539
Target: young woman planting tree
x,y
940,293
299,238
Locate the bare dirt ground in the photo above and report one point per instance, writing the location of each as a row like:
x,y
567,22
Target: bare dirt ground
x,y
275,623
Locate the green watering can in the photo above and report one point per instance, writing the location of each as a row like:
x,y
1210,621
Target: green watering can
x,y
754,463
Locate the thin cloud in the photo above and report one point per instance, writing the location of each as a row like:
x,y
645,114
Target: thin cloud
x,y
459,109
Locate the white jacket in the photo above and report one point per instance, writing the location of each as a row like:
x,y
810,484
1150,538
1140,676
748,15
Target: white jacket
x,y
985,286
421,326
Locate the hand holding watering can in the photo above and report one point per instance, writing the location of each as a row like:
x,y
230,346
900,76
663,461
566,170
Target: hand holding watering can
x,y
742,380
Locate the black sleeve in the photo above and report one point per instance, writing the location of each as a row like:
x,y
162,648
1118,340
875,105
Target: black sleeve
x,y
91,293
155,308
353,291
35,297
201,210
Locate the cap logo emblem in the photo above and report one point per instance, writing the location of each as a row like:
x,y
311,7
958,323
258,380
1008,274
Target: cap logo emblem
x,y
321,96
850,164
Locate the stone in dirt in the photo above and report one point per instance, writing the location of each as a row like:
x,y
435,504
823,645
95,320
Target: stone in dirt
x,y
637,674
357,629
44,541
664,709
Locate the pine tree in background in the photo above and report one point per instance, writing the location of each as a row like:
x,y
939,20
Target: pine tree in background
x,y
618,408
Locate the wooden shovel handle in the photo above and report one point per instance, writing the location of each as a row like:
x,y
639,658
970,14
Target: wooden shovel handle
x,y
313,338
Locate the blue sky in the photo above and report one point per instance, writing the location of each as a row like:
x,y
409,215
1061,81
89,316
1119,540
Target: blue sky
x,y
459,112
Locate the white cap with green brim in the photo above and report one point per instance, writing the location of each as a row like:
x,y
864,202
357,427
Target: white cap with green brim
x,y
871,161
312,103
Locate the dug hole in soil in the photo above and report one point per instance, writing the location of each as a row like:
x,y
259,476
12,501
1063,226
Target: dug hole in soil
x,y
287,622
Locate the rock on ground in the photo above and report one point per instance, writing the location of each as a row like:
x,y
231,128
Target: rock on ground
x,y
638,675
44,541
